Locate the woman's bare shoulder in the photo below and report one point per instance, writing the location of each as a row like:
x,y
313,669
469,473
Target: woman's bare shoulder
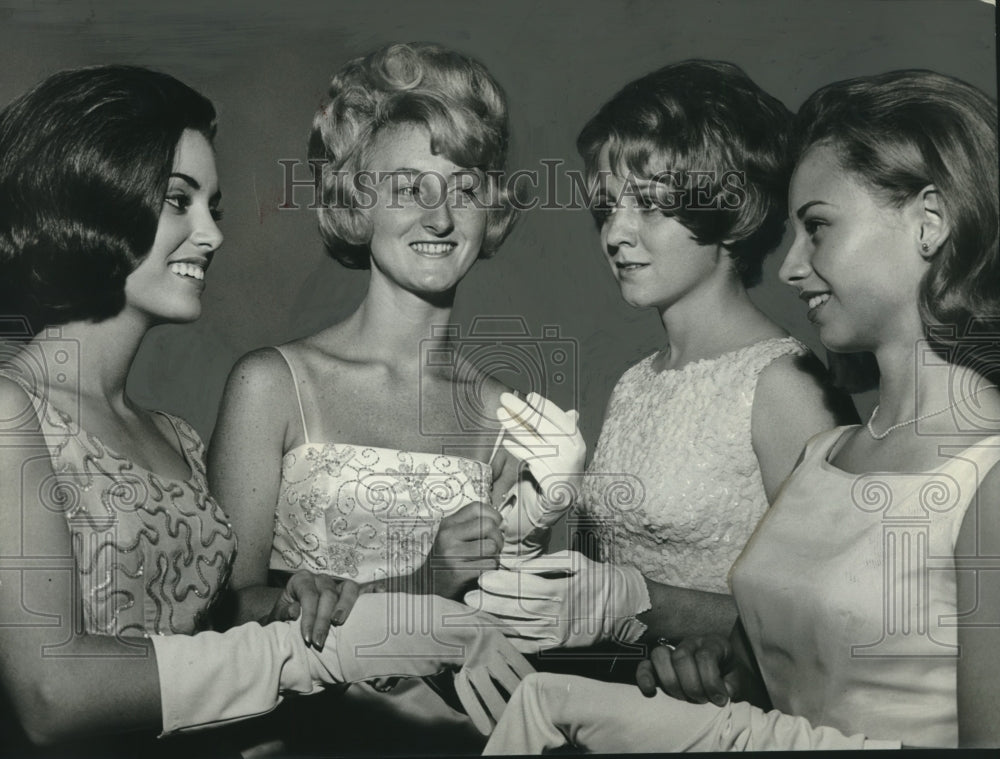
x,y
801,382
261,369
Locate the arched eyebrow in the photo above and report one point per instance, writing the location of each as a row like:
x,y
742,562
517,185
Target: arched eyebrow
x,y
196,185
806,206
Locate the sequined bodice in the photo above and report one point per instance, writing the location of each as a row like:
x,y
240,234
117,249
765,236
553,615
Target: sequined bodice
x,y
364,512
680,443
151,553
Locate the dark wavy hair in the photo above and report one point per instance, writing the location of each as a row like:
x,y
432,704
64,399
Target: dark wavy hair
x,y
453,96
704,116
900,132
85,157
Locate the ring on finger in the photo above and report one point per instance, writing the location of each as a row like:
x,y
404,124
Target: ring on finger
x,y
665,642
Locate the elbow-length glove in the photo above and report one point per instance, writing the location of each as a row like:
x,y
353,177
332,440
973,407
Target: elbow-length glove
x,y
564,600
550,711
213,678
548,442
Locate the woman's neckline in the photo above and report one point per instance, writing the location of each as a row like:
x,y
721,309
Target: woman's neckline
x,y
827,464
647,363
69,420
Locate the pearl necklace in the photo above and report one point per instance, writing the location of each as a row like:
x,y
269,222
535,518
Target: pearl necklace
x,y
884,435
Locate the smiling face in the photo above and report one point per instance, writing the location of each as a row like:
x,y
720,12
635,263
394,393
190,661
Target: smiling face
x,y
855,259
427,231
167,285
654,257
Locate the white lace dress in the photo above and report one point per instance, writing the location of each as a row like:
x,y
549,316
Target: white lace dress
x,y
674,488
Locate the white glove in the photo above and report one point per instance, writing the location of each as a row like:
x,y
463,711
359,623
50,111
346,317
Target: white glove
x,y
550,711
564,600
213,678
401,635
548,441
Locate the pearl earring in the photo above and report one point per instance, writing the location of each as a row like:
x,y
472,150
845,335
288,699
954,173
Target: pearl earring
x,y
925,247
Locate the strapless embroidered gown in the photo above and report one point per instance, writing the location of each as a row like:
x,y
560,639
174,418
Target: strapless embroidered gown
x,y
367,513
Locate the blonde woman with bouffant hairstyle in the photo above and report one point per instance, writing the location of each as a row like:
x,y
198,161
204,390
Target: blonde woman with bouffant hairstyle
x,y
338,450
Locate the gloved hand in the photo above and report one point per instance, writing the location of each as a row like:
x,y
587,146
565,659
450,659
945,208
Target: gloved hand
x,y
549,711
212,678
400,635
564,600
548,440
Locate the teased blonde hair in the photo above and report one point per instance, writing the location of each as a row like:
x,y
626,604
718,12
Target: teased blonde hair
x,y
454,97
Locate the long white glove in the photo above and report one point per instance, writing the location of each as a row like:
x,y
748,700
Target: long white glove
x,y
564,600
213,678
549,711
548,441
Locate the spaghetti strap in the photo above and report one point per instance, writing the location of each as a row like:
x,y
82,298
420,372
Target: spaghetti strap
x,y
175,428
298,395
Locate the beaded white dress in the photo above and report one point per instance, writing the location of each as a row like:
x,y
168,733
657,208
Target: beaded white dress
x,y
369,514
679,441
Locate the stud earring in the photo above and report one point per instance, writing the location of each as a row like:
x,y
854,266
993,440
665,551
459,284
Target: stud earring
x,y
925,247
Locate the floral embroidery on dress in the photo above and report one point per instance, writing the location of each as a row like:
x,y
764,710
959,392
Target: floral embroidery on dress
x,y
414,481
481,481
343,557
328,460
313,503
367,513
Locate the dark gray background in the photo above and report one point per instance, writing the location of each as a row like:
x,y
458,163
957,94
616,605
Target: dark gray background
x,y
266,66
